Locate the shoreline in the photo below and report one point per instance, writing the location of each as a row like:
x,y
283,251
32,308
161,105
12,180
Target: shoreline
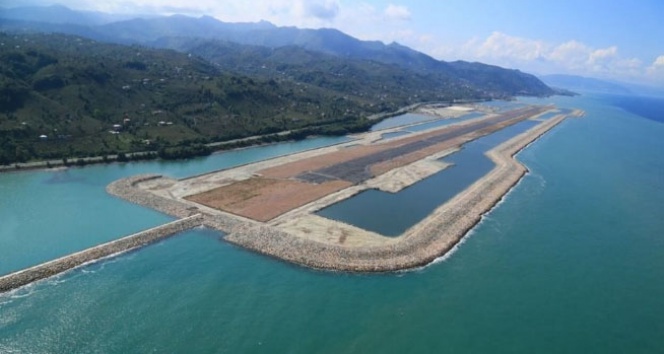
x,y
423,243
52,164
418,246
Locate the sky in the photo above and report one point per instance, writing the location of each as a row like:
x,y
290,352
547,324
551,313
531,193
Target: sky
x,y
618,39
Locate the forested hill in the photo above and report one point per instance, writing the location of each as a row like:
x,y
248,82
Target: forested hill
x,y
159,31
171,83
75,92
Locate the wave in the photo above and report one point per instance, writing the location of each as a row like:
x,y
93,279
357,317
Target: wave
x,y
15,294
67,275
484,217
447,255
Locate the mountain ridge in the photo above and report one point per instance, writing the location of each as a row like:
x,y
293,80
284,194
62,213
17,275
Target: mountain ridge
x,y
147,31
587,84
178,84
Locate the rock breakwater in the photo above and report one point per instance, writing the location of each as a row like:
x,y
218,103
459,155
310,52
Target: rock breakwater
x,y
128,243
421,244
418,246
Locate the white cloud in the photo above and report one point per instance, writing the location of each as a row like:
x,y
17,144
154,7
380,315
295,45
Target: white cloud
x,y
397,12
571,57
392,23
320,9
656,70
659,62
499,45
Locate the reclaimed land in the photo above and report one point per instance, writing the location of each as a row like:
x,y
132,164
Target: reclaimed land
x,y
277,190
297,235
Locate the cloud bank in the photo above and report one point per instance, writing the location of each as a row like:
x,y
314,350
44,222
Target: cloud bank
x,y
396,22
571,57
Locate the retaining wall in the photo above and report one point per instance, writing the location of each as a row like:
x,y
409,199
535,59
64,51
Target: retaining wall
x,y
127,189
49,269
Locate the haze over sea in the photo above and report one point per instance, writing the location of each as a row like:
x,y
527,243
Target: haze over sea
x,y
570,261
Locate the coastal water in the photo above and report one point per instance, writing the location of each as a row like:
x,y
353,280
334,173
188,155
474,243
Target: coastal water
x,y
647,107
49,214
419,122
404,119
570,261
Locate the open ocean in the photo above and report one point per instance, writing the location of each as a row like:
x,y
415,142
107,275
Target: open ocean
x,y
572,260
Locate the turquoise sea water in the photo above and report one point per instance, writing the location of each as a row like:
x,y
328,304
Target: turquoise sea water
x,y
49,214
570,261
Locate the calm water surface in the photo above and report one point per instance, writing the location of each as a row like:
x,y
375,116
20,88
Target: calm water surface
x,y
571,261
48,214
391,214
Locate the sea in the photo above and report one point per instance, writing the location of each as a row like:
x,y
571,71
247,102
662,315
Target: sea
x,y
570,261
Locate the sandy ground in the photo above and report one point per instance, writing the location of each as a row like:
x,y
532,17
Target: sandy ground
x,y
444,112
397,179
300,236
263,199
324,230
265,190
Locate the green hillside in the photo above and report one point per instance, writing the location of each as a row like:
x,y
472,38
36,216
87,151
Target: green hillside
x,y
91,98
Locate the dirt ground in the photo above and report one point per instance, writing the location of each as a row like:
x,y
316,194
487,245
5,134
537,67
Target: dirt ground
x,y
279,189
263,199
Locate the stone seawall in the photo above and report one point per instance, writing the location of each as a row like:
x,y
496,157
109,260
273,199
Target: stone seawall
x,y
421,244
418,246
140,239
127,189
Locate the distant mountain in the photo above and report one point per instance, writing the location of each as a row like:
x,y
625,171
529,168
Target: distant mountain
x,y
58,14
176,81
587,84
346,76
644,90
493,81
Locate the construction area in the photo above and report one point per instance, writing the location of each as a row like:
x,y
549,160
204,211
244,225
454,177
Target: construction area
x,y
273,191
270,206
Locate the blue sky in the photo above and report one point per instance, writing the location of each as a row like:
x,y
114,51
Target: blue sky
x,y
619,39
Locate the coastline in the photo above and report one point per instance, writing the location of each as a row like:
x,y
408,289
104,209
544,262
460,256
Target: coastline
x,y
217,146
53,164
423,243
419,245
